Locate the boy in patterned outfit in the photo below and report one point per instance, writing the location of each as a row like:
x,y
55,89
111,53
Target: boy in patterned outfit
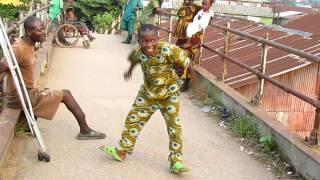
x,y
159,91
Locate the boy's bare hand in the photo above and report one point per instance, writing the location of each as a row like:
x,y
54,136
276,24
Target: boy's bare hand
x,y
127,75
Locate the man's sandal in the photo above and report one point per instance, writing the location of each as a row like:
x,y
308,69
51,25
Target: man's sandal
x,y
91,135
112,151
178,168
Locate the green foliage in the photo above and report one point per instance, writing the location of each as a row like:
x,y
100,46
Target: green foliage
x,y
88,9
206,101
267,144
11,12
242,127
101,21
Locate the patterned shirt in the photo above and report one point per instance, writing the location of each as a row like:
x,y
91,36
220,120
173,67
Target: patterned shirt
x,y
160,79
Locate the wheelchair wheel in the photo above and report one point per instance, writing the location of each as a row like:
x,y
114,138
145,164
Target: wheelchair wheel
x,y
86,44
67,35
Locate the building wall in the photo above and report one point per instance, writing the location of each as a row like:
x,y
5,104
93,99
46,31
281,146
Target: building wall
x,y
266,20
289,110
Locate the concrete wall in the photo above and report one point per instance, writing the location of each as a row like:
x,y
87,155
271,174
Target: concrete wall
x,y
306,160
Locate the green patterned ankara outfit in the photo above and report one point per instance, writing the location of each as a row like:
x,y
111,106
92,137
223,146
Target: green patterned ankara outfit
x,y
159,91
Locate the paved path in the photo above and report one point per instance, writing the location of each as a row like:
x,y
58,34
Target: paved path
x,y
95,77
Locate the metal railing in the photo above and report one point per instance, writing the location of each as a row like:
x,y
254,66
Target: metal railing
x,y
314,138
115,24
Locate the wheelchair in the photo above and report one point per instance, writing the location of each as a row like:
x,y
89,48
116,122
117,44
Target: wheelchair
x,y
69,33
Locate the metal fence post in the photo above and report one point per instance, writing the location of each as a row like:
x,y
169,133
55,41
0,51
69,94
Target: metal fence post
x,y
170,27
314,138
38,14
119,21
201,48
159,23
257,98
226,50
21,28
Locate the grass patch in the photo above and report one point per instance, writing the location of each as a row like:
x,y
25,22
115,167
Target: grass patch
x,y
21,128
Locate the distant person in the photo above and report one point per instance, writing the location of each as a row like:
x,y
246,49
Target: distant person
x,y
160,90
129,18
81,27
194,35
45,102
56,6
147,14
186,14
68,4
201,20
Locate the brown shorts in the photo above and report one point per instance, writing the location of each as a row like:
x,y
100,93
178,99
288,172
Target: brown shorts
x,y
45,102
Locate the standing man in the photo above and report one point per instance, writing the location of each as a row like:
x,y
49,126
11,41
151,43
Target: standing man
x,y
129,17
54,11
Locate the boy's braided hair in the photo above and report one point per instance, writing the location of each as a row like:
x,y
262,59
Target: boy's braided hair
x,y
147,28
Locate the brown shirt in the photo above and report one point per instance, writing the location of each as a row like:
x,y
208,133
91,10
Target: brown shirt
x,y
25,56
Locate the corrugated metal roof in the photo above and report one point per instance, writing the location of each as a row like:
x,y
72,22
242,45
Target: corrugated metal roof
x,y
248,52
287,13
283,8
308,23
251,1
242,10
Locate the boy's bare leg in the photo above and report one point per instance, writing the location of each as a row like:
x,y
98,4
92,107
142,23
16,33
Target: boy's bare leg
x,y
76,110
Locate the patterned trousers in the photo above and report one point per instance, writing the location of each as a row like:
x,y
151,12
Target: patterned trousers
x,y
140,113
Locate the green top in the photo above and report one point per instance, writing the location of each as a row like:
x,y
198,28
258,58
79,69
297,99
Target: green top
x,y
160,79
55,8
129,12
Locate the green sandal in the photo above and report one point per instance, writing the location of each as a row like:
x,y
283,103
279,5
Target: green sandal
x,y
112,151
178,168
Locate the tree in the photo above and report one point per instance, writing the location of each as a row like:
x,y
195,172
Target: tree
x,y
86,10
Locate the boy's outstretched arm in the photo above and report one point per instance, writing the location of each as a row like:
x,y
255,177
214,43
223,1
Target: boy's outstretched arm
x,y
133,63
128,73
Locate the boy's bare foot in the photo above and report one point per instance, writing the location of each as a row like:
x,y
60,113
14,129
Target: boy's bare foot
x,y
91,38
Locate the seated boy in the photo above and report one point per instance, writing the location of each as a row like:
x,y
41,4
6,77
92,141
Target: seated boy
x,y
45,102
159,91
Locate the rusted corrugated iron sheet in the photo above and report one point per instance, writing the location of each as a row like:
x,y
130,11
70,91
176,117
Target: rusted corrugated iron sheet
x,y
284,8
289,110
308,23
287,68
